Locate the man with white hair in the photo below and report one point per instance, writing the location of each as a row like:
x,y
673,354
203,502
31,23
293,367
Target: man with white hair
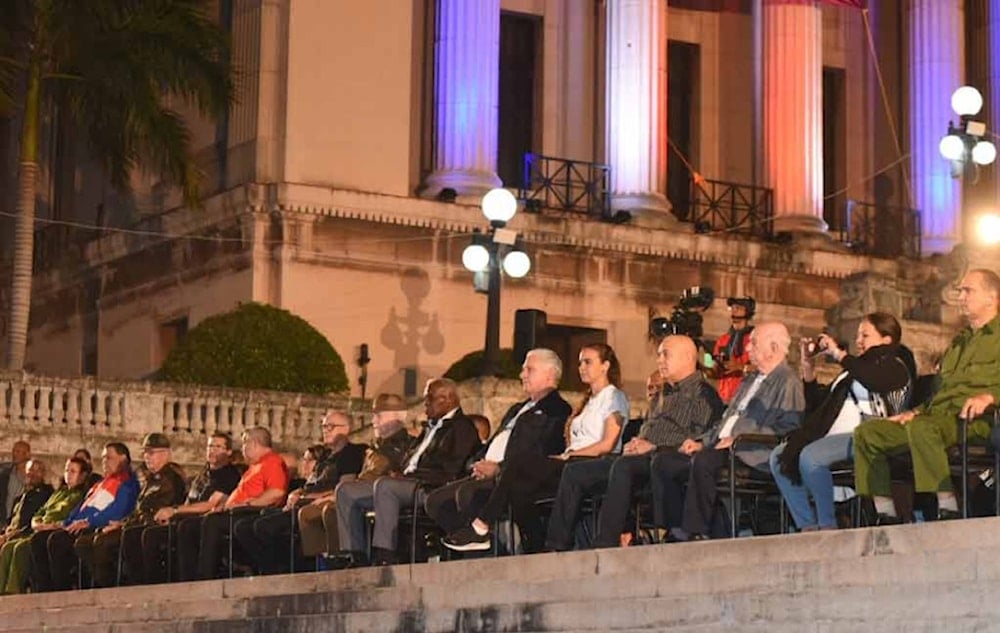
x,y
533,426
770,401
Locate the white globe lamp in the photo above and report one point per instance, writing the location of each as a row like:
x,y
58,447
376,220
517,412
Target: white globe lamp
x,y
966,101
951,147
984,153
476,258
516,264
499,206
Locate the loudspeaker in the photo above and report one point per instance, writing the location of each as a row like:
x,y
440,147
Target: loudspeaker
x,y
529,330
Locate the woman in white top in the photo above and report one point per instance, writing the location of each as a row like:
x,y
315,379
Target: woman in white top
x,y
594,431
597,428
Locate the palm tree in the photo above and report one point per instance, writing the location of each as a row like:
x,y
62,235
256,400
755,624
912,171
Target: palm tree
x,y
108,66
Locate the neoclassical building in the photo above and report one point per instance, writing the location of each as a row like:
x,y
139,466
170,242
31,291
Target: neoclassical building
x,y
783,149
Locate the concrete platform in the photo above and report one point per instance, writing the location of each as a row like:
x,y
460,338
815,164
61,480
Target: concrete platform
x,y
929,577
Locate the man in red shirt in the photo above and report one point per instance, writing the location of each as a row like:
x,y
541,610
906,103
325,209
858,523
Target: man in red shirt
x,y
263,485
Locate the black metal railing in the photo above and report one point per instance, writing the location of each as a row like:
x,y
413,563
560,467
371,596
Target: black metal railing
x,y
567,185
730,207
878,230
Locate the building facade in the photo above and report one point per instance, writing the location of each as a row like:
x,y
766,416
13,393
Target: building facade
x,y
774,148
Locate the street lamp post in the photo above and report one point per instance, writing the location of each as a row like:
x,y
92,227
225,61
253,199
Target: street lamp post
x,y
964,144
493,254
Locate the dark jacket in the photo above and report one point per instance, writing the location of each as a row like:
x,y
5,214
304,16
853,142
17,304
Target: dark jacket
x,y
887,371
386,455
447,453
539,430
159,490
27,504
346,461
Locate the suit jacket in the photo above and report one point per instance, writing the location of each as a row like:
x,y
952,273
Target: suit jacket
x,y
539,430
776,409
445,457
6,472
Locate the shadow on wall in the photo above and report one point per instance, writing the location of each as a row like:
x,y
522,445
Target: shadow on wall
x,y
410,332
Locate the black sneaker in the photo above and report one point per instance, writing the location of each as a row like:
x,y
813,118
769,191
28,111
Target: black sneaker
x,y
466,540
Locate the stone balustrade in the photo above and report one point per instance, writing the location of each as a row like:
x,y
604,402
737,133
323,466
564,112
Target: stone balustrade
x,y
58,415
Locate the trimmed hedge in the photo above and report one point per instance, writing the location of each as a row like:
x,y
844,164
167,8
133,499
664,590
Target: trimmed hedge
x,y
257,346
469,365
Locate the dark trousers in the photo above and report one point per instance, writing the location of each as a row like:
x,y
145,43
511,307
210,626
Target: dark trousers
x,y
98,553
579,479
266,540
200,542
146,557
456,504
523,480
52,560
692,509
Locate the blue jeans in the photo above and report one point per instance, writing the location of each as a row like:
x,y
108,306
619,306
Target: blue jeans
x,y
817,482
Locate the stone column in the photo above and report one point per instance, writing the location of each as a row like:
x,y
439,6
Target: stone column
x,y
936,69
466,76
991,92
637,104
793,113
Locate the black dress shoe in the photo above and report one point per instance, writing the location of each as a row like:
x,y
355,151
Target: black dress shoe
x,y
382,557
887,519
948,515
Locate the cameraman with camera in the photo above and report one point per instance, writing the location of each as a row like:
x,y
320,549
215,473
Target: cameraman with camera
x,y
730,353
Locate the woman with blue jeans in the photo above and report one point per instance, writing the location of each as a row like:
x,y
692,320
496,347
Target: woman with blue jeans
x,y
876,383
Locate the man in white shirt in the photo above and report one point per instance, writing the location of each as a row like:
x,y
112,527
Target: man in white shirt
x,y
770,401
533,425
448,441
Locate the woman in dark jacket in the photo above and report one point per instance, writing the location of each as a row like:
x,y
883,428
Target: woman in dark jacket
x,y
876,383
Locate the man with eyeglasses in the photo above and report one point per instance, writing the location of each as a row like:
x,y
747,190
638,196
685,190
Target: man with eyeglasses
x,y
145,560
162,486
266,538
318,519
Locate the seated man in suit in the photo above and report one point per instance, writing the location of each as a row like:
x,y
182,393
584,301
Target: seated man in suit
x,y
969,383
682,408
769,401
534,425
447,442
318,519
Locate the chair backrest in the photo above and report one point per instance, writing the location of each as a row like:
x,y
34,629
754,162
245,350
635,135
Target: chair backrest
x,y
923,389
631,429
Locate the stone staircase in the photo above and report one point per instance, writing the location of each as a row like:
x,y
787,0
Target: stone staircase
x,y
913,578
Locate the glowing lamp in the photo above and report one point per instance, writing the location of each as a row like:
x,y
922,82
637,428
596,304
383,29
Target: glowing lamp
x,y
516,264
984,153
952,147
476,258
966,101
499,206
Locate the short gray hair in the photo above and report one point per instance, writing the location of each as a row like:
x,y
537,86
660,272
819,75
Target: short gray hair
x,y
548,357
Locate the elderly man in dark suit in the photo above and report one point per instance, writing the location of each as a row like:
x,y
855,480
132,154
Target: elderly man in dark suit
x,y
438,457
533,426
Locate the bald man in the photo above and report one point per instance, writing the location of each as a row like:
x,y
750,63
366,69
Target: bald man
x,y
12,479
683,409
770,401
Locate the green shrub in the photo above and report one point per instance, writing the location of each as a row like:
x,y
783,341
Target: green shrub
x,y
469,365
257,346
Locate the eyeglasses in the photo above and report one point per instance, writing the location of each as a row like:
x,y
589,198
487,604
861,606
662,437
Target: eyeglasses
x,y
330,427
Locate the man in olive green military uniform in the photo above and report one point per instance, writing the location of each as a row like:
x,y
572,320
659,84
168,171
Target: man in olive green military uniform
x,y
968,384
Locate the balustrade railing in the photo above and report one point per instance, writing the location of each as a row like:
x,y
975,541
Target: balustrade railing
x,y
128,410
878,230
729,207
568,185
